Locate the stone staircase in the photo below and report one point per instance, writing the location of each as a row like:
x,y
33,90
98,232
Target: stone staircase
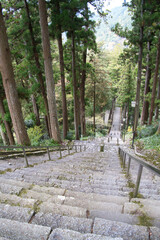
x,y
85,195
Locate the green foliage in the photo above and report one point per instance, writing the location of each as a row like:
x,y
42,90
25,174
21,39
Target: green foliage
x,y
148,136
35,135
146,131
145,220
152,142
48,142
104,33
23,93
29,123
70,135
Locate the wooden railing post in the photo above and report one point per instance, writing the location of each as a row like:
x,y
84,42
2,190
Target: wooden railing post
x,y
119,151
68,150
138,180
48,153
129,163
102,148
25,156
124,160
60,152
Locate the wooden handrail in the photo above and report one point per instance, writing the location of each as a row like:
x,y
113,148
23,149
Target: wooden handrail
x,y
58,148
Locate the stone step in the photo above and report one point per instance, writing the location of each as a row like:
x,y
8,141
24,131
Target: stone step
x,y
93,205
73,202
15,183
96,197
15,187
48,190
65,210
114,216
15,230
124,230
81,202
73,186
1,238
42,197
153,196
10,189
151,208
51,192
17,201
16,213
82,225
64,234
146,202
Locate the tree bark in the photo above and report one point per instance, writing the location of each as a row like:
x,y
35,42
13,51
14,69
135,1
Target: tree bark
x,y
83,79
158,131
82,93
158,98
39,74
9,84
35,110
76,113
7,124
61,61
4,137
154,83
49,71
145,110
136,113
94,107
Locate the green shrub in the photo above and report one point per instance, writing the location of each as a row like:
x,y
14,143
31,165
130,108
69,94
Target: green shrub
x,y
29,123
48,142
152,142
146,131
71,135
35,135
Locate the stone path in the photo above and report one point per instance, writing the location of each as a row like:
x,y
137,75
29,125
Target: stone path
x,y
83,196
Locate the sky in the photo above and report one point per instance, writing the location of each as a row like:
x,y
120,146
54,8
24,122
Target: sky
x,y
113,3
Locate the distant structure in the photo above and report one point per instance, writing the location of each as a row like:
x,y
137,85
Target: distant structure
x,y
125,1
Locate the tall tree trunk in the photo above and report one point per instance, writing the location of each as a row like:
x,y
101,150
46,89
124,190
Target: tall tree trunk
x,y
4,137
75,90
136,113
158,131
35,110
38,65
61,61
83,79
49,71
158,98
9,84
7,124
82,93
145,110
64,101
155,83
127,115
94,107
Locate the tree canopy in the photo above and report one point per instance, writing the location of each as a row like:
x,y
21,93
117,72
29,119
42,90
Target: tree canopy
x,y
83,78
